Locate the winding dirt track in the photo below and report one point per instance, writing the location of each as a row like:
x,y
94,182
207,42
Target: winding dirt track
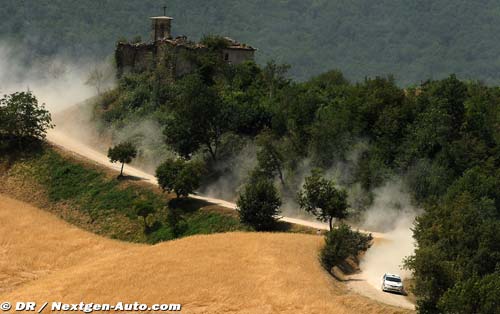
x,y
64,141
360,283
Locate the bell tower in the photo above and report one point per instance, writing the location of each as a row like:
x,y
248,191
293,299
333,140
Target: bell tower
x,y
161,26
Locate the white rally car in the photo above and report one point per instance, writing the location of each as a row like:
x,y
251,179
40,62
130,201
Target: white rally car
x,y
392,283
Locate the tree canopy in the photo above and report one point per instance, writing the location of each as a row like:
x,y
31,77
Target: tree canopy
x,y
123,153
341,243
179,176
320,197
259,203
22,119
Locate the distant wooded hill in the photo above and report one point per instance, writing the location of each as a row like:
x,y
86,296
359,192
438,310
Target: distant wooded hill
x,y
414,40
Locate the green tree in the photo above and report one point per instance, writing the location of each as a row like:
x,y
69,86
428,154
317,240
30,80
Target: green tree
x,y
123,153
144,208
259,203
341,243
199,118
22,119
320,197
269,156
179,176
474,295
175,222
275,77
458,245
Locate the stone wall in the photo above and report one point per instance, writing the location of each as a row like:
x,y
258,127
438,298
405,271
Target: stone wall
x,y
237,56
173,57
134,57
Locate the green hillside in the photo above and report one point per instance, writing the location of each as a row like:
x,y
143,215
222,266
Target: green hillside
x,y
414,40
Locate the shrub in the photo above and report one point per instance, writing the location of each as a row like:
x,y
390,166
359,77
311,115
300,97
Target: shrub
x,y
22,119
179,176
144,208
176,222
214,43
162,234
259,204
342,242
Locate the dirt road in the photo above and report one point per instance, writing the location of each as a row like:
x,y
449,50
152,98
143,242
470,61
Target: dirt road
x,y
359,284
379,259
62,140
362,283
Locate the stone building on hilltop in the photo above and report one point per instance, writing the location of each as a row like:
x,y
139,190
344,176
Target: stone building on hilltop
x,y
172,53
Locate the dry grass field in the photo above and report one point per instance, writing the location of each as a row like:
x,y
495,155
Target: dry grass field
x,y
43,258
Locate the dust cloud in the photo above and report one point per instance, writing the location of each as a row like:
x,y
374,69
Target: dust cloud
x,y
69,89
392,214
238,157
387,210
148,137
58,82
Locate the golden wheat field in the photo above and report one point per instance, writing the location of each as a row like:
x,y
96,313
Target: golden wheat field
x,y
42,258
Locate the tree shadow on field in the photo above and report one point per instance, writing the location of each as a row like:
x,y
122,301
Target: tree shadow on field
x,y
282,226
187,205
342,271
10,152
129,178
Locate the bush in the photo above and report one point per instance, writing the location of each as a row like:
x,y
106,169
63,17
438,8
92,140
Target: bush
x,y
176,222
162,234
259,204
342,242
179,176
144,208
22,119
214,43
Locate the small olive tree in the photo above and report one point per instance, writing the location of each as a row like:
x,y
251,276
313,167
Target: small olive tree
x,y
123,153
320,197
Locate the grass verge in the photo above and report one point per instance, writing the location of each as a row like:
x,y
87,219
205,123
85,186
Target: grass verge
x,y
93,198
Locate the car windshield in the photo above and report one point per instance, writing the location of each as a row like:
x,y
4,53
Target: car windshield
x,y
393,279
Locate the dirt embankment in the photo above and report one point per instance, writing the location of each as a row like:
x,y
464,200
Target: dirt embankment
x,y
223,273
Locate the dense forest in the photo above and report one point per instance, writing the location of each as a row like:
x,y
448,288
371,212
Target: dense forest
x,y
442,137
414,40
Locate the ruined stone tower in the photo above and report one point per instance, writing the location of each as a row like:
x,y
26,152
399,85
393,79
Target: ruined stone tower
x,y
161,27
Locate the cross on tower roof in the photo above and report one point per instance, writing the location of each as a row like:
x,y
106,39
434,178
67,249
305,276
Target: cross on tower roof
x,y
165,11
